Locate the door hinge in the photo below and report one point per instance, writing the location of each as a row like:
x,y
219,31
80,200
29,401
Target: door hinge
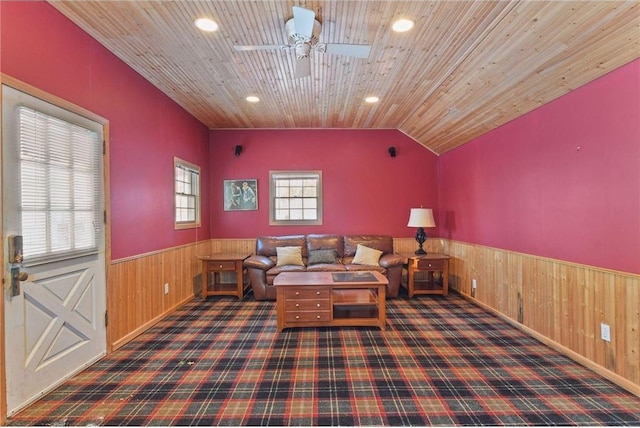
x,y
106,318
104,214
104,147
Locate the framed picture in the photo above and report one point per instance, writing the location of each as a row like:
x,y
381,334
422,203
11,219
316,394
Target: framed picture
x,y
240,195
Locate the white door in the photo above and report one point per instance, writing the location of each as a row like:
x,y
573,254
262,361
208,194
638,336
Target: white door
x,y
53,202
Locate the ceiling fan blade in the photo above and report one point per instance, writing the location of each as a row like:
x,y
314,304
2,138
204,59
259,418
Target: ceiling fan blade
x,y
304,19
358,51
303,68
260,47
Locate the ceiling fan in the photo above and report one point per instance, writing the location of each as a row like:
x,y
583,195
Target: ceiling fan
x,y
302,32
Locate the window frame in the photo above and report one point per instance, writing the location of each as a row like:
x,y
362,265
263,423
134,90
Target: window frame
x,y
68,145
291,175
195,172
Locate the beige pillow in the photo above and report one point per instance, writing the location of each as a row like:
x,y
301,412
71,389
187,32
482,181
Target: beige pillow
x,y
289,256
366,256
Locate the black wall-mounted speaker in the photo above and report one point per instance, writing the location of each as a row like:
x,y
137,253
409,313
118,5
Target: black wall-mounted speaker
x,y
238,150
392,152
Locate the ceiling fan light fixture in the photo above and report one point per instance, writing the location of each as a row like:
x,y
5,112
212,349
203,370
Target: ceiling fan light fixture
x,y
371,99
207,24
402,25
252,99
295,37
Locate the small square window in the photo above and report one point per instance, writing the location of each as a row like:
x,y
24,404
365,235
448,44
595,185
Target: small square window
x,y
295,198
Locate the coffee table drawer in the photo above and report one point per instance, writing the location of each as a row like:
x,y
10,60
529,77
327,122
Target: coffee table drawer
x,y
308,305
310,293
308,316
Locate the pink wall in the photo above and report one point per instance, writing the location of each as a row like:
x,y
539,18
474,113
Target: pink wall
x,y
562,181
42,48
364,189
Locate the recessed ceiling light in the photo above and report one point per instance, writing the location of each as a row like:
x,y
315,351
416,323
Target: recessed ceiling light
x,y
372,100
206,24
252,99
403,24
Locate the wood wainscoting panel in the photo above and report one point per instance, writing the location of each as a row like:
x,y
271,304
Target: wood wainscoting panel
x,y
136,288
561,303
409,245
233,245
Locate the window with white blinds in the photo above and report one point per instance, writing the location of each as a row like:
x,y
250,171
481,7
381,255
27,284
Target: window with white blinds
x,y
295,198
187,197
60,196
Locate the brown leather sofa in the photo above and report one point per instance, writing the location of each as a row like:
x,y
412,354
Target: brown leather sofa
x,y
262,266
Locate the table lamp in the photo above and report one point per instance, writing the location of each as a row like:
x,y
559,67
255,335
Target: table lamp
x,y
421,218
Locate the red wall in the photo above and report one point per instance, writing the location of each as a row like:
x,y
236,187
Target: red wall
x,y
562,181
42,48
365,190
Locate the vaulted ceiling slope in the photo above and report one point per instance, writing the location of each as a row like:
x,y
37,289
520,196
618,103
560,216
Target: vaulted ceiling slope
x,y
466,67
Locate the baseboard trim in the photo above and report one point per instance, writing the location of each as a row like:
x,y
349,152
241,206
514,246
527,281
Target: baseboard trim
x,y
602,371
138,331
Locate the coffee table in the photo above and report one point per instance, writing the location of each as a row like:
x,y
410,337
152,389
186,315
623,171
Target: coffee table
x,y
321,299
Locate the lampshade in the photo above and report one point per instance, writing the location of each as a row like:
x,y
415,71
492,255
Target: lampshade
x,y
421,217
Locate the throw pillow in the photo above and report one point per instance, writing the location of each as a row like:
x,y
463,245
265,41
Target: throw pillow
x,y
366,256
323,256
289,256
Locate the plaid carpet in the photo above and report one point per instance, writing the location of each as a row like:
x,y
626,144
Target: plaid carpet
x,y
442,361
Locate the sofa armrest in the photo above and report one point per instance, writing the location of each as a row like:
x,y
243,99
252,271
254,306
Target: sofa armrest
x,y
259,262
390,260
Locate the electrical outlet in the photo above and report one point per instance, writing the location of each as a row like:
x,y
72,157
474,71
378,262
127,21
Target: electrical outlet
x,y
166,288
605,332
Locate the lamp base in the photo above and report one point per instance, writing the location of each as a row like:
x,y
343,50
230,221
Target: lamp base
x,y
420,238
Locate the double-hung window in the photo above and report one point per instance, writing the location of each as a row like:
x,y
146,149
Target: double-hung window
x,y
295,198
187,194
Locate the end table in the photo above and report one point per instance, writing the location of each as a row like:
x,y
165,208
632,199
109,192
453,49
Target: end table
x,y
215,264
431,264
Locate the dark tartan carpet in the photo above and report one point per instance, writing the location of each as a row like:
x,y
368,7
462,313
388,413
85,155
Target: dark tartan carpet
x,y
441,361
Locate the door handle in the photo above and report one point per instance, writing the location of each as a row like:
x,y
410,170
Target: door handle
x,y
16,277
22,276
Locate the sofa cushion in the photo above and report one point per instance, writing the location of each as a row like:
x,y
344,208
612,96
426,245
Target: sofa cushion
x,y
325,267
356,268
274,271
383,243
366,256
267,245
323,256
289,256
326,242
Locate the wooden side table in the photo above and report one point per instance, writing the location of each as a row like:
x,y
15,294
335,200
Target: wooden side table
x,y
214,265
431,264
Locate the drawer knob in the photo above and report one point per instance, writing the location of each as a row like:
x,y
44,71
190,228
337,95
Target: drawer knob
x,y
220,266
317,293
318,305
429,264
297,305
317,316
297,317
297,293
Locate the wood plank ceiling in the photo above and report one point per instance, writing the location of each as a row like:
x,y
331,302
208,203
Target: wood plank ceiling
x,y
467,66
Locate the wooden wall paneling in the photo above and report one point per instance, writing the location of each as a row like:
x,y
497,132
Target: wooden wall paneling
x,y
136,288
233,245
631,326
558,302
409,245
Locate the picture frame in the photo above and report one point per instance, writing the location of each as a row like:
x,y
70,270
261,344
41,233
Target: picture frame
x,y
240,195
